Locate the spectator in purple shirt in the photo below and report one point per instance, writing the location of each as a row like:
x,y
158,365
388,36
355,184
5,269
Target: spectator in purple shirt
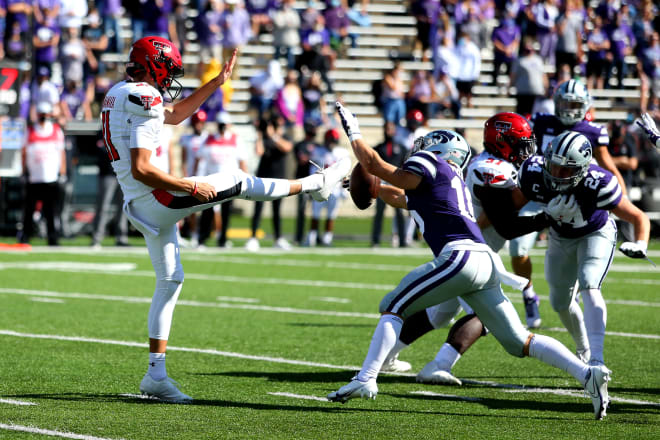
x,y
96,42
111,12
337,23
3,26
506,40
209,31
74,103
157,13
19,11
236,31
261,14
45,9
308,16
45,40
622,42
598,43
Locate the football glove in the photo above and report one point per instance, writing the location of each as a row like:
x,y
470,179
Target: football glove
x,y
349,122
562,207
634,249
648,125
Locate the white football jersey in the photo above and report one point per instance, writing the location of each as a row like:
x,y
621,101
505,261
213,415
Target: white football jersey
x,y
220,154
192,143
488,170
132,116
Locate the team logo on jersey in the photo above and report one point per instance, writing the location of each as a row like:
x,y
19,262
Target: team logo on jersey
x,y
502,126
149,101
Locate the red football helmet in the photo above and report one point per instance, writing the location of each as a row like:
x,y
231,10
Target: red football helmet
x,y
159,58
199,116
510,137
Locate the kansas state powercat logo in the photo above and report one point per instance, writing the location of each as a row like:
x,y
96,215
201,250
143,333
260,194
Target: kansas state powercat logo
x,y
165,48
502,126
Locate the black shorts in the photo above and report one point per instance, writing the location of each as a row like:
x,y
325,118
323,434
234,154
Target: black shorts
x,y
565,58
595,67
465,86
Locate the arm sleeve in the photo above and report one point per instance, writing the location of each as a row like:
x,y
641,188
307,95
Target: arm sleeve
x,y
498,206
145,133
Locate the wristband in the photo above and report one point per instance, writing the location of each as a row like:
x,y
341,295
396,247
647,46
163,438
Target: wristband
x,y
355,137
194,191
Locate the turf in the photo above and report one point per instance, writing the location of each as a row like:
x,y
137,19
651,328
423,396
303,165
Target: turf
x,y
271,307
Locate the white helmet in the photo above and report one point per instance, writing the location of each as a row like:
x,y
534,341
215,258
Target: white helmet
x,y
572,100
567,161
447,144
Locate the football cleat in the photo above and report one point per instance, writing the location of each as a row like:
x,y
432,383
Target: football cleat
x,y
394,365
532,312
354,389
434,375
282,243
165,390
596,387
332,176
252,245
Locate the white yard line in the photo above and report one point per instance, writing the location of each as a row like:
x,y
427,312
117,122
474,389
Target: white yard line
x,y
331,299
144,300
48,300
237,299
50,432
446,396
270,359
17,402
300,396
579,393
68,265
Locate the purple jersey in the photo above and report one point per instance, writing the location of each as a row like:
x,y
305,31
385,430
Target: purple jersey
x,y
596,194
441,205
547,127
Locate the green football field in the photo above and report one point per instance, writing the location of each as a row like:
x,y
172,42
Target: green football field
x,y
259,340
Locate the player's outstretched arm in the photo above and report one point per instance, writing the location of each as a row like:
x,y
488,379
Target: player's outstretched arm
x,y
393,196
368,157
186,107
626,211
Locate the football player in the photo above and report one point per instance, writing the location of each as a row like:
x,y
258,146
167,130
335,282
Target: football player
x,y
572,101
648,125
430,185
581,246
493,174
132,117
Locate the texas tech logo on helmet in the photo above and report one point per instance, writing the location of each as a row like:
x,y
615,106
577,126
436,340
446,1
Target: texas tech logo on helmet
x,y
162,46
502,126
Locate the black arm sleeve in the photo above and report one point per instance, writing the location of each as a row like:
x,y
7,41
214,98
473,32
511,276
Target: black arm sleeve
x,y
502,214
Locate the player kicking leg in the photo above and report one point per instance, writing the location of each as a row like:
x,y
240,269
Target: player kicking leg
x,y
132,119
430,185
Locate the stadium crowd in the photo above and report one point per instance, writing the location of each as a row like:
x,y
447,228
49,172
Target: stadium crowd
x,y
605,42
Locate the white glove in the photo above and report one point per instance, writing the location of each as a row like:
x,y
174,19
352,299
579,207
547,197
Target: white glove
x,y
349,122
562,207
648,125
634,249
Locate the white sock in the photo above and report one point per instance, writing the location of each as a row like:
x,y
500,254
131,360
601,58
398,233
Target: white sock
x,y
157,366
262,189
595,319
311,237
327,238
396,350
528,292
553,352
574,322
447,357
384,339
311,183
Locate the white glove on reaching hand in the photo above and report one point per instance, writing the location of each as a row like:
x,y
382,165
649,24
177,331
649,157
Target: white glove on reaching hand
x,y
349,122
648,125
634,249
562,207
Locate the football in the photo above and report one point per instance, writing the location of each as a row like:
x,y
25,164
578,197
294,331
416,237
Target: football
x,y
363,187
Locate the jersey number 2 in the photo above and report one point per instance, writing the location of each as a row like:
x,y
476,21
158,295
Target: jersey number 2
x,y
105,129
463,197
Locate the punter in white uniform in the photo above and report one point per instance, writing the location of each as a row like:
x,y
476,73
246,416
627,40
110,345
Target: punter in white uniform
x,y
132,119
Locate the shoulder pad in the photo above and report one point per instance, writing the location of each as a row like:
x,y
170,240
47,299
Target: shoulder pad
x,y
422,163
498,173
144,100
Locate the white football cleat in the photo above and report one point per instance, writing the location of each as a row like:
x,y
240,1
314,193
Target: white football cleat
x,y
282,243
354,389
165,390
252,245
332,176
596,387
394,365
432,374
